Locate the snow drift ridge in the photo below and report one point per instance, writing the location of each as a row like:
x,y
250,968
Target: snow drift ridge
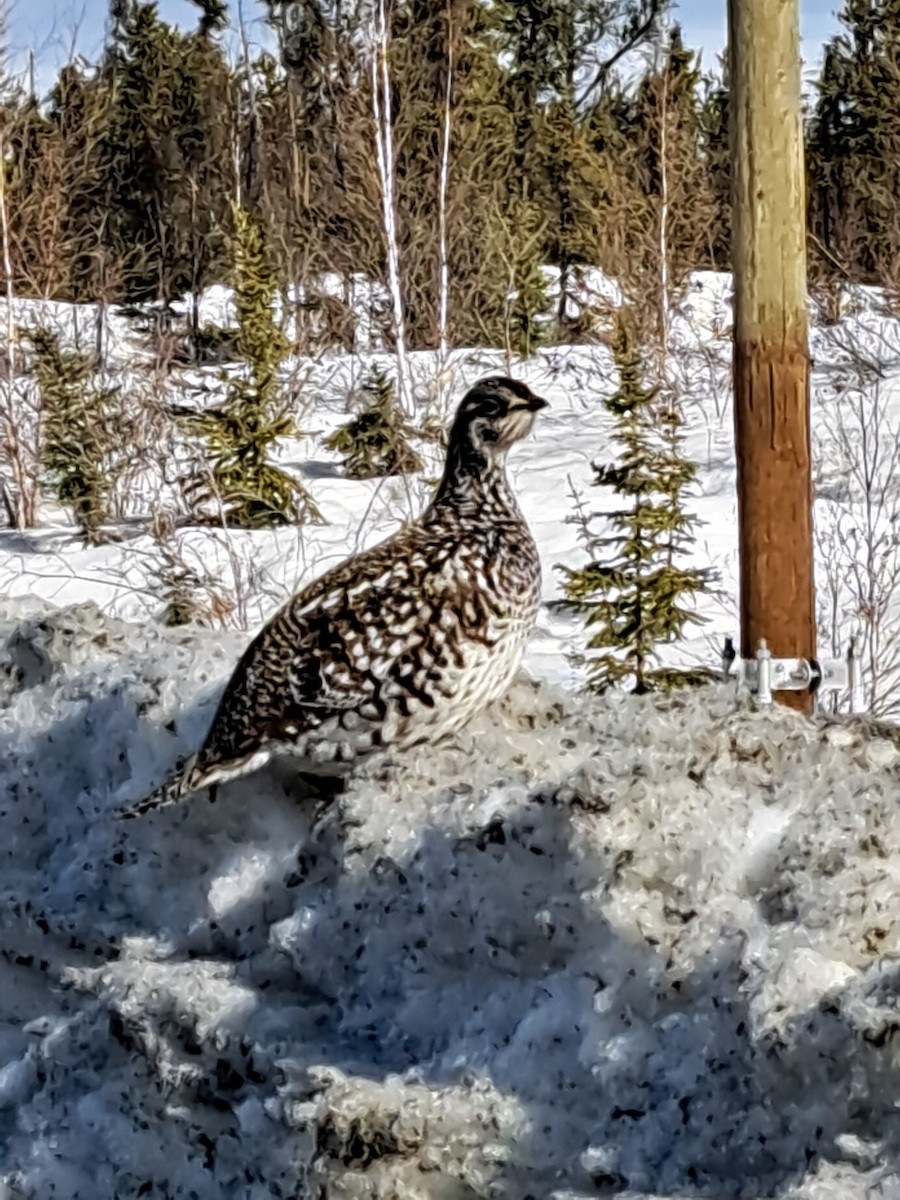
x,y
633,946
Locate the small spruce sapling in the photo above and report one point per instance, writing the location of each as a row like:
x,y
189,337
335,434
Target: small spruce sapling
x,y
188,596
376,441
633,593
252,491
79,432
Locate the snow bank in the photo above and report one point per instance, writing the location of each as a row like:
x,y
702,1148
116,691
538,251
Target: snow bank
x,y
643,947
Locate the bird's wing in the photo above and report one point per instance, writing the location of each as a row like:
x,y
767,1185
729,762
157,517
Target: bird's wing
x,y
325,653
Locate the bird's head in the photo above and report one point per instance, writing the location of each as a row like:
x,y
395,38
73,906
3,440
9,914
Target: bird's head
x,y
493,415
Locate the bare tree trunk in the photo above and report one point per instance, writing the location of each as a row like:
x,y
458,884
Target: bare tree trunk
x,y
295,286
195,276
99,331
24,502
253,149
384,143
444,299
664,220
771,355
103,303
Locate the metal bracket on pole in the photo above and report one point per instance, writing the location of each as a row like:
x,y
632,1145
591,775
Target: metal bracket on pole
x,y
764,674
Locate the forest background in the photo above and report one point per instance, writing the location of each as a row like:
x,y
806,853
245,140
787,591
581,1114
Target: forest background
x,y
570,133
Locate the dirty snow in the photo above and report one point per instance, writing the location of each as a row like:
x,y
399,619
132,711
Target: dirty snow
x,y
636,947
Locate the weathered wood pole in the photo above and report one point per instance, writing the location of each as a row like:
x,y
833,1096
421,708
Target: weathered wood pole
x,y
771,352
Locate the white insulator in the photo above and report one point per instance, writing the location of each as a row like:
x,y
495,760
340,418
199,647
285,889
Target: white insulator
x,y
763,673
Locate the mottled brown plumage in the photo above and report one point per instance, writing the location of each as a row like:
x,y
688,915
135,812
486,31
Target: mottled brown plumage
x,y
403,643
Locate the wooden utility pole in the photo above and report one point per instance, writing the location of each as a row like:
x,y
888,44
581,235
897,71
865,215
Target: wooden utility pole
x,y
771,353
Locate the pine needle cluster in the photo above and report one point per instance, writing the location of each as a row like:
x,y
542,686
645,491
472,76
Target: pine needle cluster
x,y
79,435
634,595
251,490
375,442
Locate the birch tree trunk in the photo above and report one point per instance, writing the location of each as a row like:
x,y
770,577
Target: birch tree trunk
x,y
384,145
444,298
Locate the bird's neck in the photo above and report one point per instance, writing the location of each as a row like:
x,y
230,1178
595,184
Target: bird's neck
x,y
474,485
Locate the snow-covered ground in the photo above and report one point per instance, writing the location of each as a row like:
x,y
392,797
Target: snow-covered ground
x,y
636,947
260,569
626,946
253,573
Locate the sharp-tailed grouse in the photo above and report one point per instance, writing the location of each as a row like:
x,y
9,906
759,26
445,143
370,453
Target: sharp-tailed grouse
x,y
403,643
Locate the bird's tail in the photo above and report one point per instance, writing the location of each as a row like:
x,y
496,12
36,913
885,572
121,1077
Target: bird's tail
x,y
189,779
202,770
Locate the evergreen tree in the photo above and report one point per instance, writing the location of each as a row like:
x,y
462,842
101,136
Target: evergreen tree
x,y
252,491
80,432
206,101
120,189
716,155
672,204
35,169
79,109
854,145
546,40
498,222
304,35
167,151
595,201
376,441
495,229
633,593
561,57
189,594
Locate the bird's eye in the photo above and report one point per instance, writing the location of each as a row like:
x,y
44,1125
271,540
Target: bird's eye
x,y
484,405
489,435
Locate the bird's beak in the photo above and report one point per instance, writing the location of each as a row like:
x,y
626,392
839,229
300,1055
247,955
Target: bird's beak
x,y
536,403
